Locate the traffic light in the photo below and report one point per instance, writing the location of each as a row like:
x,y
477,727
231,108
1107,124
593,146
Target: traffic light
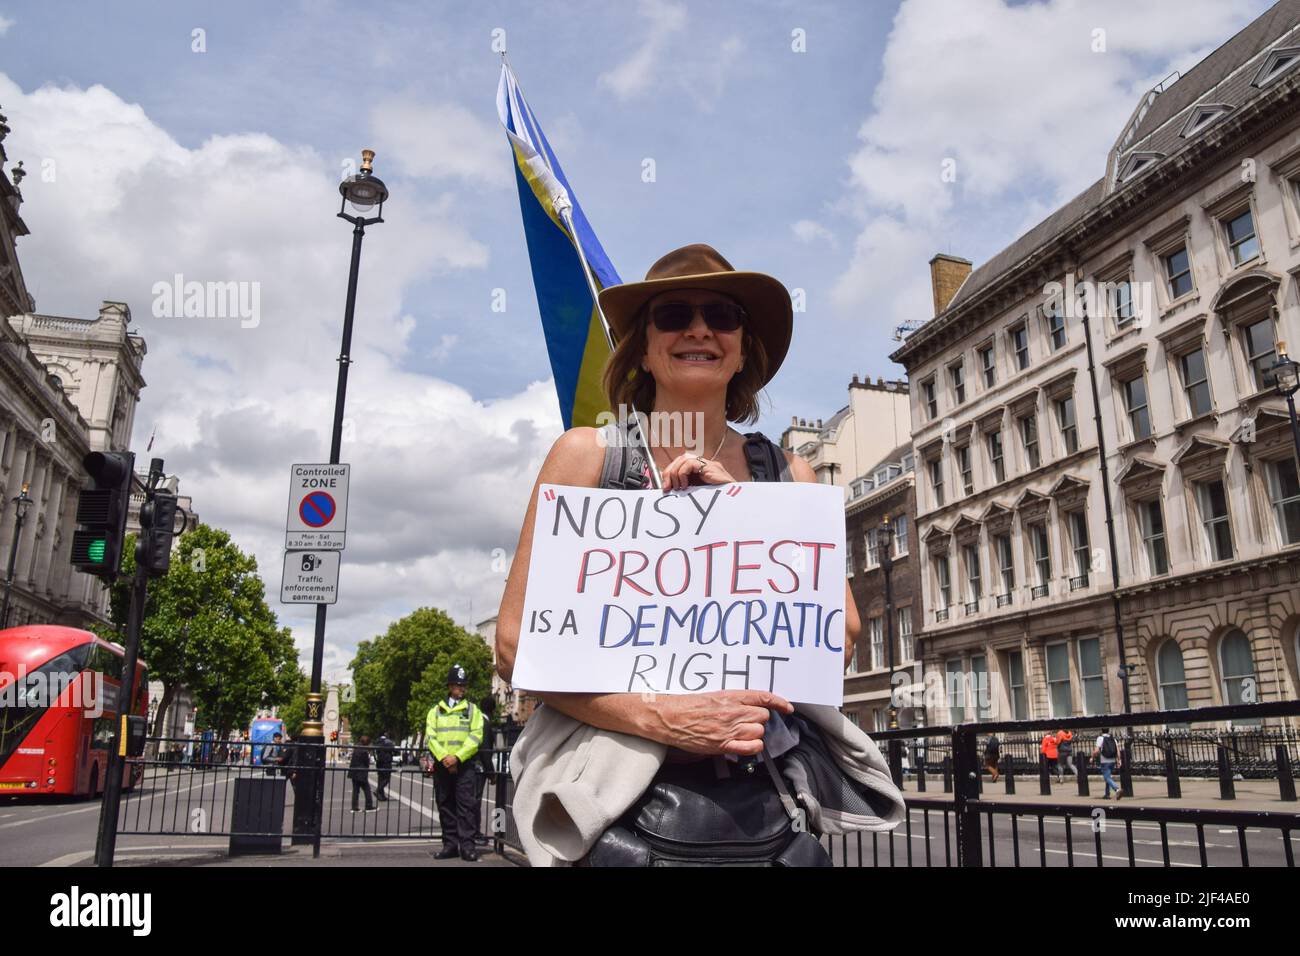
x,y
101,512
153,549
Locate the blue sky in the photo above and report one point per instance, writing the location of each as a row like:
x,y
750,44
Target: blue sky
x,y
822,168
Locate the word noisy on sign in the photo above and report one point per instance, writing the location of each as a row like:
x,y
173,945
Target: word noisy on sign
x,y
318,507
719,587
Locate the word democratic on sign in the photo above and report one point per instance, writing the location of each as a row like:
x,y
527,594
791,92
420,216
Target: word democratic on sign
x,y
318,507
719,587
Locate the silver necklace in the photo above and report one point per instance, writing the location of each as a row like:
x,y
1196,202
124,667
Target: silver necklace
x,y
725,433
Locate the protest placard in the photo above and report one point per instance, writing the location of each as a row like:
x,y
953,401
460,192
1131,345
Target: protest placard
x,y
719,587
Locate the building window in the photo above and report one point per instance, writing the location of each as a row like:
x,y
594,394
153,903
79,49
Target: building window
x,y
1152,522
1121,302
957,376
988,366
1239,233
996,457
979,679
1055,327
956,680
1238,670
1029,438
1258,342
944,582
930,398
876,628
848,559
1020,345
1284,494
963,463
1091,677
1042,558
971,558
1196,382
1171,677
1078,521
1065,419
1016,680
1058,678
900,536
1006,567
1213,502
1178,272
936,481
872,549
905,632
1135,401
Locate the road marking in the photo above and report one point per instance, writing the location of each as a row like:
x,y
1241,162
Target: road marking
x,y
49,816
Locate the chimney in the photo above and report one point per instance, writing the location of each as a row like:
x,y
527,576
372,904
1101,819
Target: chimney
x,y
947,273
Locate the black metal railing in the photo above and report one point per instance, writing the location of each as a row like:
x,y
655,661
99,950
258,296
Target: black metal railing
x,y
1004,599
252,790
980,830
1079,583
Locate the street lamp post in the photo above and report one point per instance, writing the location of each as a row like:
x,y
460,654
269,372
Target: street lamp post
x,y
1286,375
885,547
21,503
364,193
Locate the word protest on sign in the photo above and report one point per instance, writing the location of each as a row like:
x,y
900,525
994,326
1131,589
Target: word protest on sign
x,y
318,507
719,587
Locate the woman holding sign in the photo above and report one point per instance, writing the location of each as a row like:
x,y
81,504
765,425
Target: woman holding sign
x,y
695,340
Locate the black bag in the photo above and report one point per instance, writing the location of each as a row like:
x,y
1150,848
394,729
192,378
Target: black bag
x,y
1108,748
691,817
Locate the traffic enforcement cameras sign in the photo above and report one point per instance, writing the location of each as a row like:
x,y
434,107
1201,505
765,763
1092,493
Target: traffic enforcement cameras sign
x,y
318,507
310,577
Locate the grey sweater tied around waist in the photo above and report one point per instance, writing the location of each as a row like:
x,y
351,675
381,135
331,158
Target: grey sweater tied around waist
x,y
573,781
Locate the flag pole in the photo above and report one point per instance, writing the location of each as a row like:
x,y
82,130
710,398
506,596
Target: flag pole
x,y
565,209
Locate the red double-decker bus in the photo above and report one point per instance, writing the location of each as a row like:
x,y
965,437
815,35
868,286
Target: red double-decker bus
x,y
59,691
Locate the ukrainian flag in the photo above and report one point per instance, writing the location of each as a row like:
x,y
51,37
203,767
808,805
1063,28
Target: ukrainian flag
x,y
575,334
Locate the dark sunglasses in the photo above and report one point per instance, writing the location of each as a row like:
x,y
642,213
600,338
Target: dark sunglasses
x,y
677,316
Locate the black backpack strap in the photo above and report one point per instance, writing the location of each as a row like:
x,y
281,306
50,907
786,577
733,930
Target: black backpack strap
x,y
625,466
766,461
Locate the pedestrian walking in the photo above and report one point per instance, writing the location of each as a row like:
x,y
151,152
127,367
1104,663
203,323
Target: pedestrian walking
x,y
454,731
384,748
992,753
1065,753
359,774
1049,751
272,754
1107,752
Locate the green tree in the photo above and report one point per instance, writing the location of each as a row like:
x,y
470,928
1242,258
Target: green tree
x,y
398,675
207,627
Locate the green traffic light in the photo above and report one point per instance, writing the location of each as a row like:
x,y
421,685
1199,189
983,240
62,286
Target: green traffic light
x,y
95,551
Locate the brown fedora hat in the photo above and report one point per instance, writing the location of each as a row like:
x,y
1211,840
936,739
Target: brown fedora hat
x,y
765,300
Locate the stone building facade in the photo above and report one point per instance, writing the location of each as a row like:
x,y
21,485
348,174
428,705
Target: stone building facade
x,y
1182,264
888,492
67,387
850,443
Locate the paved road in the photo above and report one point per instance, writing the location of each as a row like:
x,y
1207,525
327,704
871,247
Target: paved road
x,y
40,832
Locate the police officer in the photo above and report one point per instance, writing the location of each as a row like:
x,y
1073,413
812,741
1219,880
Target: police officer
x,y
384,748
454,731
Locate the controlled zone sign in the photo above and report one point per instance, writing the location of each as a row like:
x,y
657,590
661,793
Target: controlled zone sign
x,y
719,587
310,577
318,507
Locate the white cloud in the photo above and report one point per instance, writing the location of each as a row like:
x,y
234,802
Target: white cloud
x,y
5,24
637,74
442,141
439,478
808,231
1012,100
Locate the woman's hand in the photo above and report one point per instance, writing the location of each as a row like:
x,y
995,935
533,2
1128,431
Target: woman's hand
x,y
684,467
725,722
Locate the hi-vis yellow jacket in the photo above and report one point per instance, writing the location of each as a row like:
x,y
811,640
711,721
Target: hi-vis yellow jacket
x,y
454,730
